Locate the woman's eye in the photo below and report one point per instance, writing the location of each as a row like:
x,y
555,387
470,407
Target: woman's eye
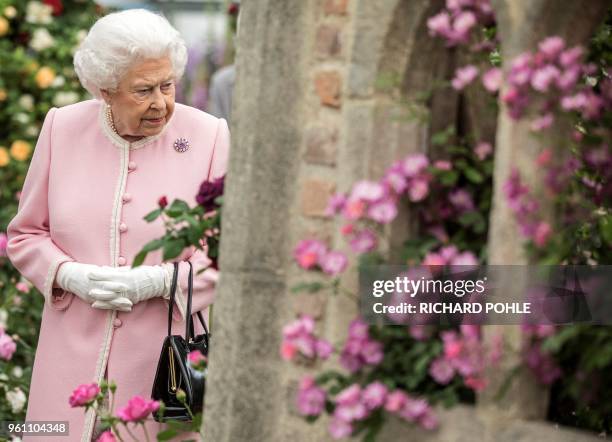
x,y
166,85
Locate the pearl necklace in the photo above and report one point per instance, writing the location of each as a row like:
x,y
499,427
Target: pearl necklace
x,y
109,118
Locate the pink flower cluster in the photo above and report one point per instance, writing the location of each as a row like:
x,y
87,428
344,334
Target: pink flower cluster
x,y
196,358
359,349
463,354
541,363
7,346
456,22
310,397
137,409
554,73
298,337
525,208
450,255
355,403
311,254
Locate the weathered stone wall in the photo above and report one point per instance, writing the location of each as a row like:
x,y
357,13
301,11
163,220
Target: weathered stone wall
x,y
311,118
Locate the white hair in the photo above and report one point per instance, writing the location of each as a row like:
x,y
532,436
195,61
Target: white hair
x,y
118,40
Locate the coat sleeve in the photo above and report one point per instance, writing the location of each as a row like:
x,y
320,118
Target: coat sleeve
x,y
204,282
30,246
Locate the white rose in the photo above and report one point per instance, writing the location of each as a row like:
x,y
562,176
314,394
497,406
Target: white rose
x,y
17,399
41,40
3,377
65,98
38,13
3,318
17,371
26,101
59,81
31,131
22,118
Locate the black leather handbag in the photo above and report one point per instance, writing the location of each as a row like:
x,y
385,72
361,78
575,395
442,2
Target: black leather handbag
x,y
174,372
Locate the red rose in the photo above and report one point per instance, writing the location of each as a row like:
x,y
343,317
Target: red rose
x,y
233,9
57,6
163,202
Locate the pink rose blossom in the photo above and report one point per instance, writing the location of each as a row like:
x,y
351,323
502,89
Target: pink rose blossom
x,y
309,252
492,79
137,409
383,211
339,429
465,259
310,398
413,409
333,263
335,204
395,401
3,243
368,191
542,234
543,122
443,165
429,421
483,150
464,76
544,77
83,395
574,102
374,395
463,23
418,190
551,47
196,357
23,287
353,210
363,241
571,57
462,200
288,351
441,371
476,383
347,229
324,348
7,346
414,164
107,436
439,24
395,178
433,259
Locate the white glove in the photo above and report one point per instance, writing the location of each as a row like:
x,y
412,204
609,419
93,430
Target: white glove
x,y
139,283
74,277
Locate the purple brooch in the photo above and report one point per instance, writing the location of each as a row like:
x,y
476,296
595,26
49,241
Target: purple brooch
x,y
181,145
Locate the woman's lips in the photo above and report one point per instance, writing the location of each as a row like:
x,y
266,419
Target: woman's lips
x,y
155,120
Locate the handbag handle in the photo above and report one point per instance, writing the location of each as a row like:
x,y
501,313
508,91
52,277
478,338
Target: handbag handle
x,y
189,330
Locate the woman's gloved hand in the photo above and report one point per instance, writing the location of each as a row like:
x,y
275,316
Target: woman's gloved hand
x,y
139,283
74,277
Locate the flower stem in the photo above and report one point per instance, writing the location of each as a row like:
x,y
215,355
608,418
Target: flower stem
x,y
144,427
129,432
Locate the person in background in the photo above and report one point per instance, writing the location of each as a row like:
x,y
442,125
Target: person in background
x,y
222,81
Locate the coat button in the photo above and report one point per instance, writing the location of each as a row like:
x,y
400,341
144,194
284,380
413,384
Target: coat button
x,y
131,166
121,261
126,198
123,227
117,322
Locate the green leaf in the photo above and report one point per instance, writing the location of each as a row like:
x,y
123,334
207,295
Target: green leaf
x,y
173,248
449,178
605,227
139,259
152,216
177,208
473,175
166,435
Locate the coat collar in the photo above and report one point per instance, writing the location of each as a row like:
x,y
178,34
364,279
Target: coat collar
x,y
116,139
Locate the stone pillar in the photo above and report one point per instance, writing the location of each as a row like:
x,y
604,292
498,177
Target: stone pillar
x,y
244,397
521,25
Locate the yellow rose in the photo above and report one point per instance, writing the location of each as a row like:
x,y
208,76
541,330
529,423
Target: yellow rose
x,y
10,12
2,95
44,77
20,150
4,156
4,26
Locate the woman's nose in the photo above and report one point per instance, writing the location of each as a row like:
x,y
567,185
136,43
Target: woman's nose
x,y
158,101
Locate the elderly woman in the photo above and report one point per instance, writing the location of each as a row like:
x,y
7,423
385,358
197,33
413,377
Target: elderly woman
x,y
98,168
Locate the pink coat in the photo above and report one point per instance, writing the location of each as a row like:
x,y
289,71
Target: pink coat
x,y
84,199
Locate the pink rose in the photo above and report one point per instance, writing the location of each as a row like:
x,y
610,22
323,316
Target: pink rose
x,y
83,395
107,436
137,409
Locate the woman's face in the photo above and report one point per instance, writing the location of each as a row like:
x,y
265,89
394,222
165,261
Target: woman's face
x,y
144,100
